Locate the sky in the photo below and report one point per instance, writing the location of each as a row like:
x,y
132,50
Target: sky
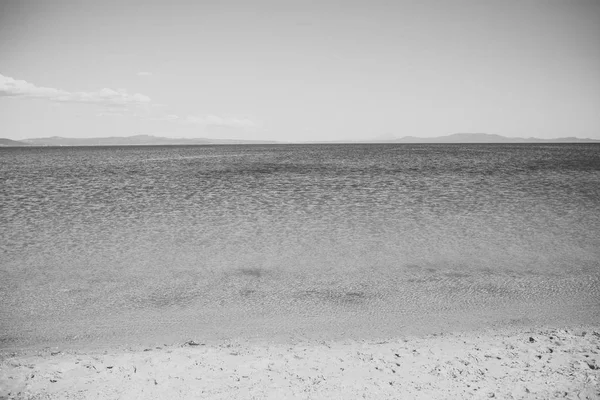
x,y
299,70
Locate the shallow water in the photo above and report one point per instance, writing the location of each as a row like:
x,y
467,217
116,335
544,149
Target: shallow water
x,y
205,241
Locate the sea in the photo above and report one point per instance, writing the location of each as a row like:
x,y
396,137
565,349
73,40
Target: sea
x,y
295,242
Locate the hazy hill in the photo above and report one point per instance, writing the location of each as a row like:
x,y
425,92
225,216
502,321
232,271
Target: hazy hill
x,y
12,143
138,140
481,138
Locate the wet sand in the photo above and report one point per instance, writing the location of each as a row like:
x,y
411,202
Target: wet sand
x,y
519,363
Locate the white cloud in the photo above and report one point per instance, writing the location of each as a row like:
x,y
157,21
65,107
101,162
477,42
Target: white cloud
x,y
144,74
117,103
165,117
107,97
209,121
214,120
112,113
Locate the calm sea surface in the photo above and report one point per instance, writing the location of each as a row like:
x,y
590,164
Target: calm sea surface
x,y
136,243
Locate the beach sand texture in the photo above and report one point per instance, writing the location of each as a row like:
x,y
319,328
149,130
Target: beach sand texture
x,y
507,364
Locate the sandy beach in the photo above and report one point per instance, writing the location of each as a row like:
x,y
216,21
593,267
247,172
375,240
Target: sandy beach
x,y
514,363
365,199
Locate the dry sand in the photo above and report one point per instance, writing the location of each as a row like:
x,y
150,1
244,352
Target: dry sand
x,y
512,363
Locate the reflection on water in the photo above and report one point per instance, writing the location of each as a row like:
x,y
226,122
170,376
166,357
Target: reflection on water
x,y
193,236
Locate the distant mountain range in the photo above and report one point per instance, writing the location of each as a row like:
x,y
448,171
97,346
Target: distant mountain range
x,y
480,138
138,140
12,143
147,140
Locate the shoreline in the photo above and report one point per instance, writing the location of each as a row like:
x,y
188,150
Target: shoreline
x,y
511,362
378,321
